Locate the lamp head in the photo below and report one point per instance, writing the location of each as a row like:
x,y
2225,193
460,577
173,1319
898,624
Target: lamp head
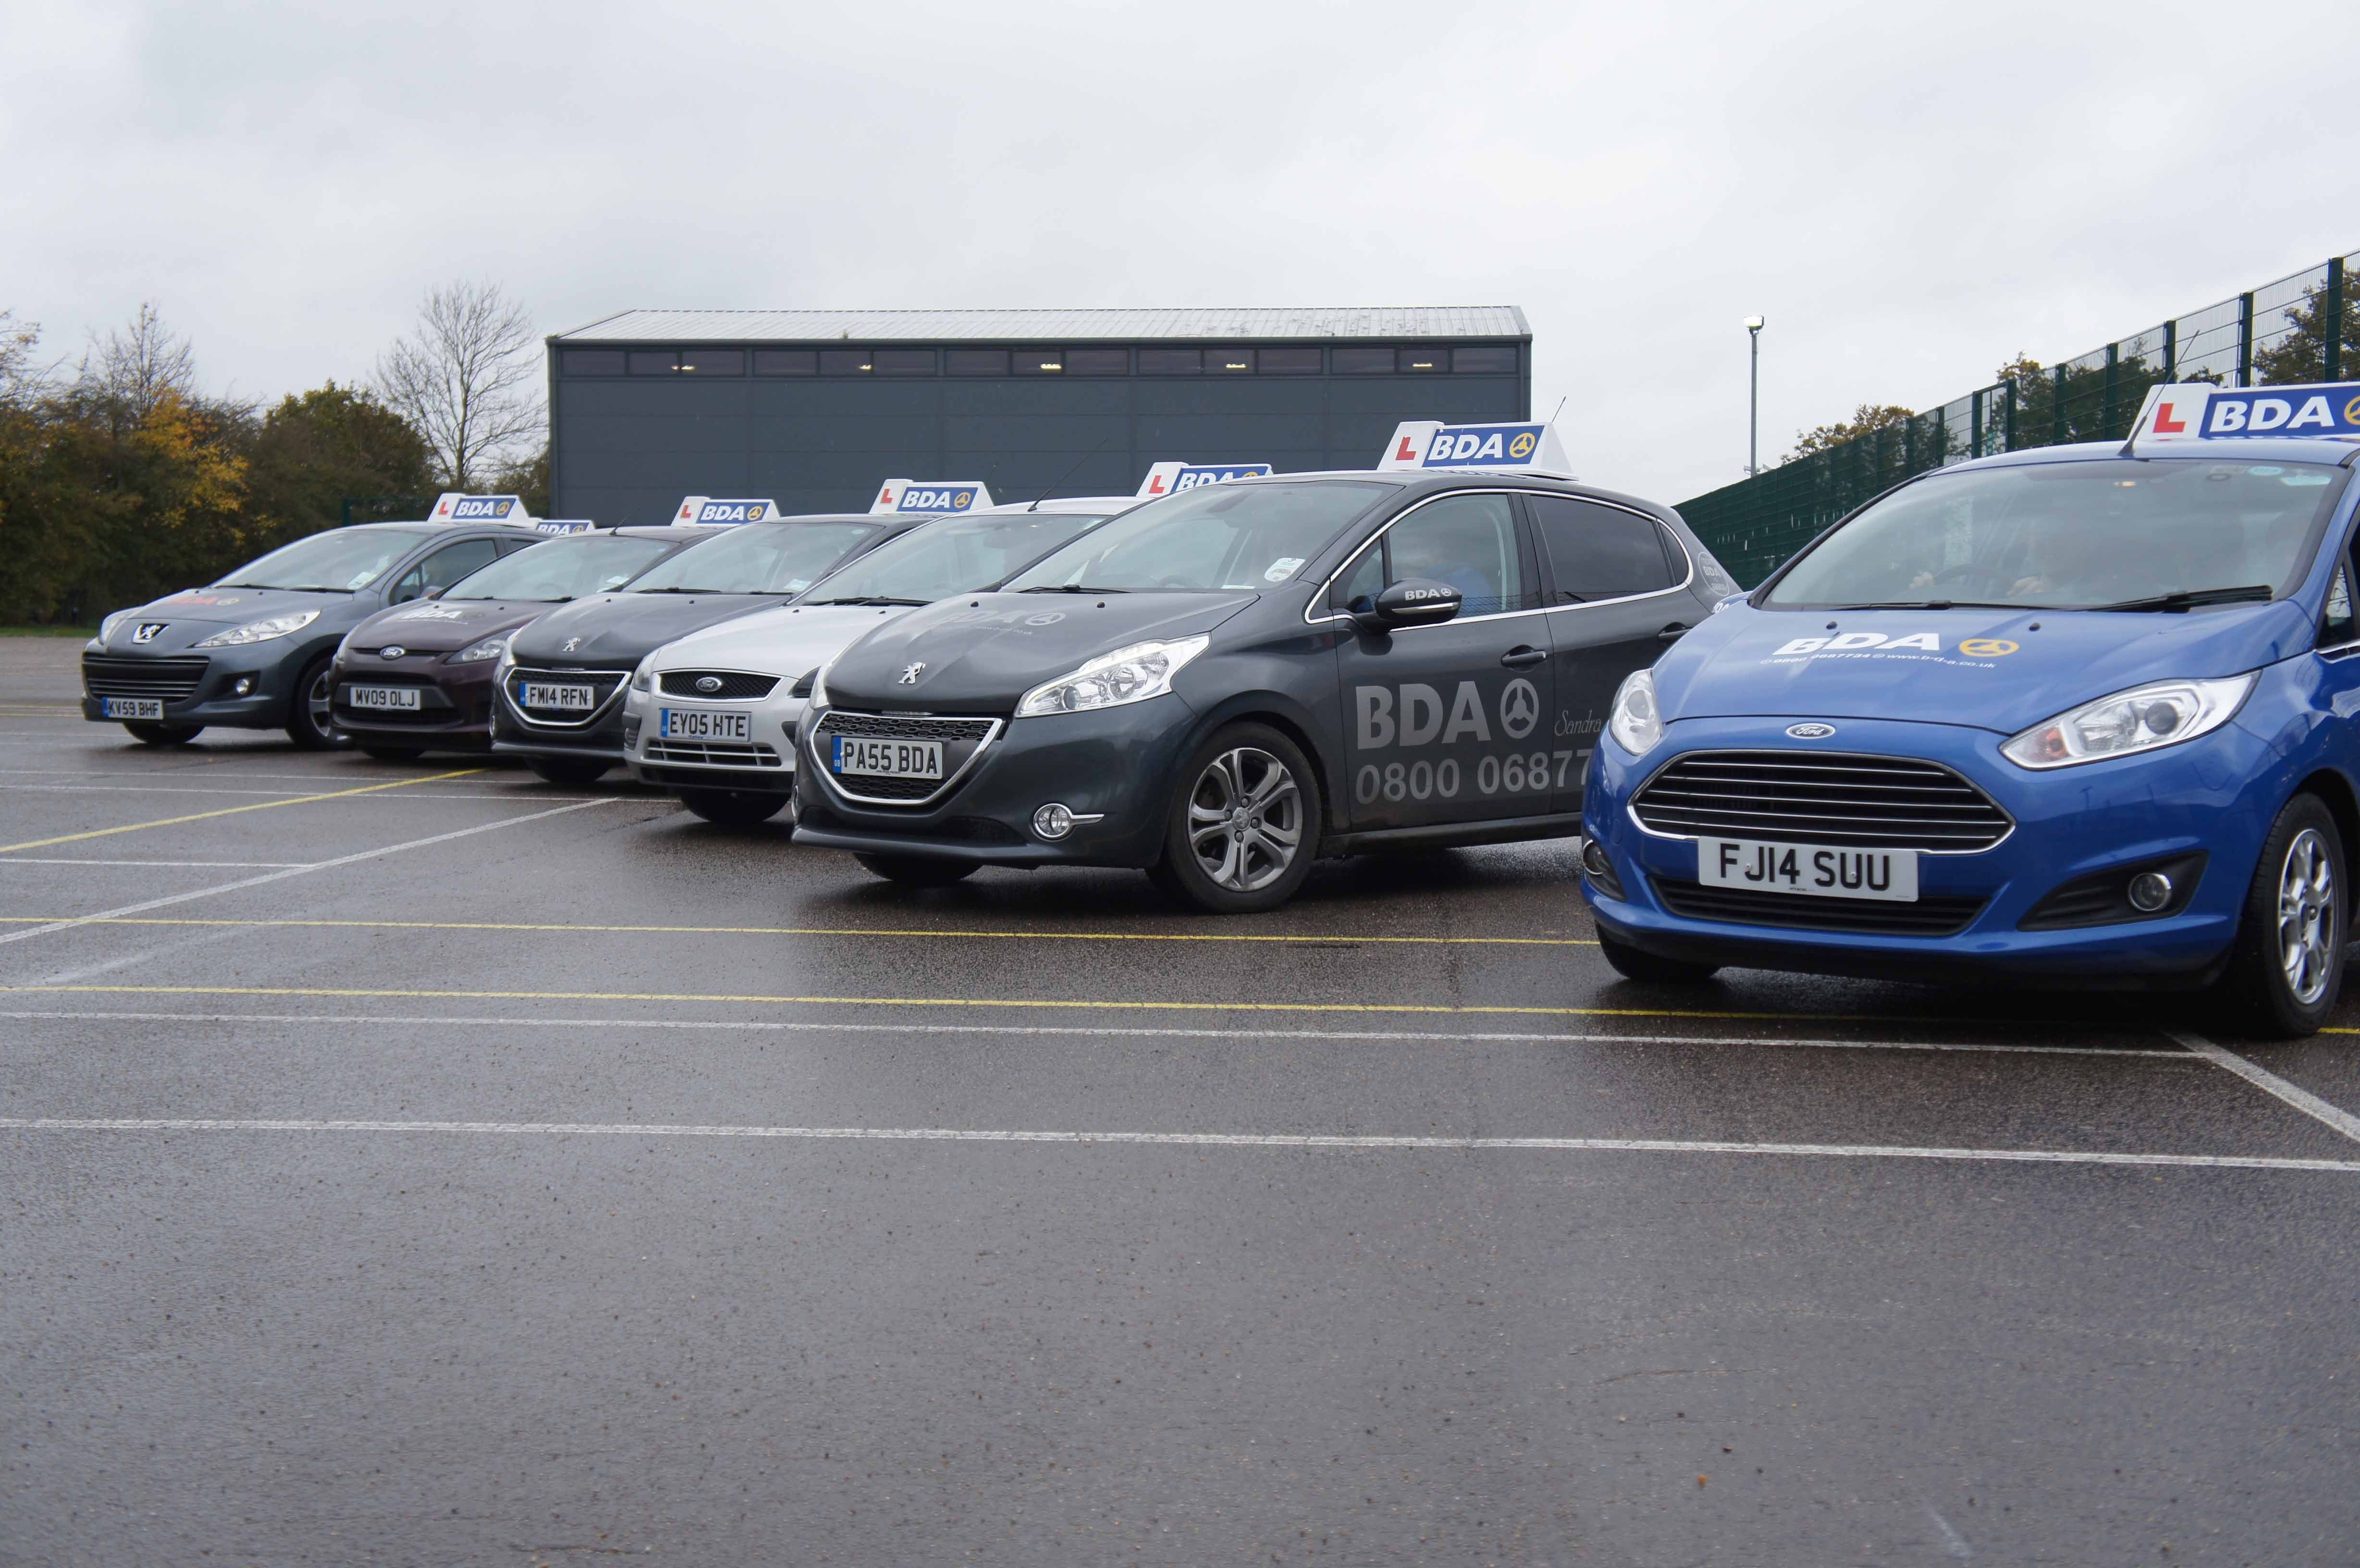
x,y
1754,323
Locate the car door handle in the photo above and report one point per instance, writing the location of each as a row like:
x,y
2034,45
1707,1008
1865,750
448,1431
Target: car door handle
x,y
1673,632
1524,656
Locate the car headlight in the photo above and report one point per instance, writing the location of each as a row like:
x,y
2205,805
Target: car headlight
x,y
1635,723
643,679
1131,674
2161,713
263,630
106,627
816,698
475,653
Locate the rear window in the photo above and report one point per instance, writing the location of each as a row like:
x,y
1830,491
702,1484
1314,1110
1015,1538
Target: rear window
x,y
1600,552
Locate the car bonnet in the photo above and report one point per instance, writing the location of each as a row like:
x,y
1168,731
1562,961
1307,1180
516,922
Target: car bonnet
x,y
979,652
789,641
444,626
189,617
614,631
1995,670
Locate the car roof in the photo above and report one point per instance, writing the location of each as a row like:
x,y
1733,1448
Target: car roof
x,y
1068,504
2255,448
1434,481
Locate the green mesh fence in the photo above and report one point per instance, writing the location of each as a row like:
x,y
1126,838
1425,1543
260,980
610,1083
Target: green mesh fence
x,y
2302,328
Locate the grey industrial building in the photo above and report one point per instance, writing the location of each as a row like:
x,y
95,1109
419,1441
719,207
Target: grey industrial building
x,y
815,407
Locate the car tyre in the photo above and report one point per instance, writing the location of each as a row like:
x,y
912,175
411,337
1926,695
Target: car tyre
x,y
1632,964
2286,966
569,769
917,870
732,808
1244,826
164,734
394,752
309,725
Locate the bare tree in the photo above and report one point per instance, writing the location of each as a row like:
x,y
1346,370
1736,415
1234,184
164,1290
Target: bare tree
x,y
23,382
468,379
129,373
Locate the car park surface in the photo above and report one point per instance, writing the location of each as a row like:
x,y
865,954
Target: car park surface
x,y
427,1163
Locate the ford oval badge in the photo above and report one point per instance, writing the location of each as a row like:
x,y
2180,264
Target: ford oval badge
x,y
1812,731
708,683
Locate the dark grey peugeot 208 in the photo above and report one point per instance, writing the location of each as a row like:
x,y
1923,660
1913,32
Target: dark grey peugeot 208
x,y
1219,687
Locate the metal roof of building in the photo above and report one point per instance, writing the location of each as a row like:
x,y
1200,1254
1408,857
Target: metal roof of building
x,y
1056,326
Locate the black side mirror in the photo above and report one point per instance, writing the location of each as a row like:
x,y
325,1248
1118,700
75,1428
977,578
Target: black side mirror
x,y
1412,602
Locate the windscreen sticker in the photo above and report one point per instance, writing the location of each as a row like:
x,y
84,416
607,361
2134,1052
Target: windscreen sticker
x,y
1924,648
363,579
431,613
1284,567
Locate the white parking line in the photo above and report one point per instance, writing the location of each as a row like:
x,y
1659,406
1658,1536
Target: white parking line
x,y
2270,1083
766,1026
422,794
305,870
217,865
1344,1141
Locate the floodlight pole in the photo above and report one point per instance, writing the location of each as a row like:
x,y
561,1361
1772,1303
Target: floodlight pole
x,y
1753,400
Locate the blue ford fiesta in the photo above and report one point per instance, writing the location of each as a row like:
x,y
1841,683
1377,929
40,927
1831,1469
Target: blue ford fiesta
x,y
2083,716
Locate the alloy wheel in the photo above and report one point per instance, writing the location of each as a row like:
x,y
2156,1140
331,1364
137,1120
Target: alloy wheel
x,y
1245,820
2308,922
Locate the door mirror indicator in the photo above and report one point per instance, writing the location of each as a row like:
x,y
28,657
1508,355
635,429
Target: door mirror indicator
x,y
1412,602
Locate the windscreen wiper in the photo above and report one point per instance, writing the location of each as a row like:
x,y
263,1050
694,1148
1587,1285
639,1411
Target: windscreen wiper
x,y
1074,588
2189,600
680,590
874,599
1937,604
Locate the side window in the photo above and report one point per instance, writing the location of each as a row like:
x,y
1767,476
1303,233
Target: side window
x,y
2335,625
1600,552
1367,575
1469,542
443,568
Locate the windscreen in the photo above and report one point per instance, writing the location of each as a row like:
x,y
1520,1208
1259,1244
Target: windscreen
x,y
560,569
1240,535
756,557
2072,535
957,555
341,560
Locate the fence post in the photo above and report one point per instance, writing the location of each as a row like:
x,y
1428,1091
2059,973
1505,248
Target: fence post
x,y
2244,340
2106,416
2009,399
2331,327
2171,350
2057,413
1975,425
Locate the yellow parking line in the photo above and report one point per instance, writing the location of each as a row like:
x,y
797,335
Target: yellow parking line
x,y
1084,1005
844,930
230,811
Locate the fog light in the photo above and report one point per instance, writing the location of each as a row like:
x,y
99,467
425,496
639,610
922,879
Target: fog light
x,y
1594,860
2150,891
1053,821
245,684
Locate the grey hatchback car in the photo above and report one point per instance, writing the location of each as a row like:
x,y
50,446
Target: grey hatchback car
x,y
252,650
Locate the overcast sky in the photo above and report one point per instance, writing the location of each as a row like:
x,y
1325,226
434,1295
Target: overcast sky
x,y
1910,194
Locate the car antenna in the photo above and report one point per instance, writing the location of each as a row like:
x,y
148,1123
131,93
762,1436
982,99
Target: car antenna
x,y
1068,475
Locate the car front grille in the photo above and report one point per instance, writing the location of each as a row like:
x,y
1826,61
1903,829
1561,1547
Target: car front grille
x,y
601,684
963,741
1846,802
1942,915
712,753
104,675
736,685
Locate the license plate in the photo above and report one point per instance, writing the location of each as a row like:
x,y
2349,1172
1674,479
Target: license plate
x,y
132,707
890,758
1813,870
694,724
579,698
402,699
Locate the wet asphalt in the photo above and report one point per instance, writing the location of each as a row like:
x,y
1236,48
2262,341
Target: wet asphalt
x,y
476,1170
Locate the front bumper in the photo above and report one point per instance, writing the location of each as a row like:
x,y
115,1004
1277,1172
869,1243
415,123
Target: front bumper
x,y
2217,795
764,762
454,710
599,736
198,687
1115,764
